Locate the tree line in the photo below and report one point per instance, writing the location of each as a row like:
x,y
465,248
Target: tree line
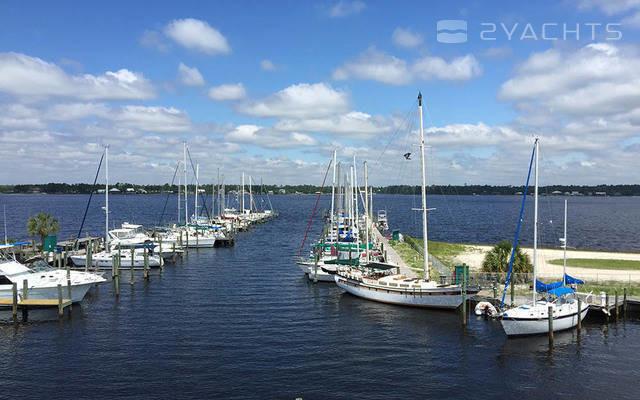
x,y
578,190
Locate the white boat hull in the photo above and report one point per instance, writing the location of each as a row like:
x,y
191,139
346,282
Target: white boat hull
x,y
535,326
81,260
43,293
429,299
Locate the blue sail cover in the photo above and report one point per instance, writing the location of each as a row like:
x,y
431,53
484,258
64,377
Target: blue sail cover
x,y
544,287
571,280
562,290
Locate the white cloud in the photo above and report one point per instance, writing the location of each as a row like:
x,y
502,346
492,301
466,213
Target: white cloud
x,y
267,65
299,101
231,91
406,38
269,138
378,66
153,40
355,125
190,76
197,35
345,8
153,119
76,111
22,75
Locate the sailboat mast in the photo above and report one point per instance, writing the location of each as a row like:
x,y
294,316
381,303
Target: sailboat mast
x,y
179,196
564,245
424,194
250,196
535,227
106,198
196,205
213,195
356,188
333,193
186,204
4,207
366,213
242,194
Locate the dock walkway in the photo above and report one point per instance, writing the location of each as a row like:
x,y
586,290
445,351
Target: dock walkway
x,y
392,256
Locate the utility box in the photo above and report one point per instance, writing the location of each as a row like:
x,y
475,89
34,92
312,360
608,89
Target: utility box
x,y
458,273
396,235
50,243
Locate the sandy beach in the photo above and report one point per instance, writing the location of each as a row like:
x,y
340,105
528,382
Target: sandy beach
x,y
474,255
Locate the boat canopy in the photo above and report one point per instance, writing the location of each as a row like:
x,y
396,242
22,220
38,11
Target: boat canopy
x,y
571,280
346,261
560,291
545,287
377,265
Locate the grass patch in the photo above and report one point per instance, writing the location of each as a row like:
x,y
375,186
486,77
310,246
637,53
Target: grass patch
x,y
610,288
599,263
443,251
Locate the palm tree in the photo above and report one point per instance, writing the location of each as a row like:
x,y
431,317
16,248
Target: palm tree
x,y
497,259
42,224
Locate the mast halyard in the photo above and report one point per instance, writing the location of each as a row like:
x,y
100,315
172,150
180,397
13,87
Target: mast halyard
x,y
424,194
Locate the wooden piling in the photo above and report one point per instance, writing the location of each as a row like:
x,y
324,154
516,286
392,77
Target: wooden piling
x,y
14,305
132,263
315,270
65,260
606,301
25,289
495,292
513,293
160,247
197,239
69,294
87,262
173,252
186,236
550,325
616,299
624,302
60,306
579,314
116,277
146,264
464,296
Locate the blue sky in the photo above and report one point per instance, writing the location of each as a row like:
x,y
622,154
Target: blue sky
x,y
272,87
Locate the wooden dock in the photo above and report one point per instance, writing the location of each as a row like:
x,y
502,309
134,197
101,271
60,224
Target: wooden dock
x,y
391,256
24,303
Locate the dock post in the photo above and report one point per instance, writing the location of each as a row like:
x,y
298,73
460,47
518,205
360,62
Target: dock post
x,y
173,252
69,294
606,302
116,277
315,270
180,239
197,239
65,261
87,262
579,314
60,307
146,264
14,306
550,325
624,303
616,299
25,289
464,296
495,292
513,293
132,263
186,236
160,247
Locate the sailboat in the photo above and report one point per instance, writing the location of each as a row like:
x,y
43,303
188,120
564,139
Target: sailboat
x,y
105,258
533,317
378,282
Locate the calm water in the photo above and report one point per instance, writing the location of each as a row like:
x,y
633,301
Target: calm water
x,y
242,323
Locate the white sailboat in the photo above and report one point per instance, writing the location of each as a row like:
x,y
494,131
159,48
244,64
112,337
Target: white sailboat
x,y
378,282
533,317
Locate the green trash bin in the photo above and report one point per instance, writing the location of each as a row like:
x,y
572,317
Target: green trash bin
x,y
396,235
50,243
457,274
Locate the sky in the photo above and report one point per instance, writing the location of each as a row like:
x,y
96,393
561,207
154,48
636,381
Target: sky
x,y
272,88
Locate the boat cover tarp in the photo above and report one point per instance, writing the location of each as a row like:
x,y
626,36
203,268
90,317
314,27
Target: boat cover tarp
x,y
562,290
571,280
545,287
346,261
376,265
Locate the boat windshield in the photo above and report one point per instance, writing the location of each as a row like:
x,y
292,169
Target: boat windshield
x,y
40,266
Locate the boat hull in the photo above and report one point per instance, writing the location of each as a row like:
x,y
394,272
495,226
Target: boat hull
x,y
43,293
80,261
531,326
445,299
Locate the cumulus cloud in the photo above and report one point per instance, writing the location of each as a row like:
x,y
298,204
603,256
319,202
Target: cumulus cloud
x,y
345,8
354,124
197,35
269,138
22,75
231,91
189,76
153,119
378,66
406,38
303,100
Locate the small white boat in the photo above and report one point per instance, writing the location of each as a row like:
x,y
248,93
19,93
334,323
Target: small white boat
x,y
43,280
104,259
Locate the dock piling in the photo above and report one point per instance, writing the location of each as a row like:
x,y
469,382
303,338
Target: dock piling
x,y
513,294
606,303
579,314
624,302
550,325
60,307
69,294
132,264
616,299
464,295
14,305
25,289
116,276
160,247
495,292
146,264
173,252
